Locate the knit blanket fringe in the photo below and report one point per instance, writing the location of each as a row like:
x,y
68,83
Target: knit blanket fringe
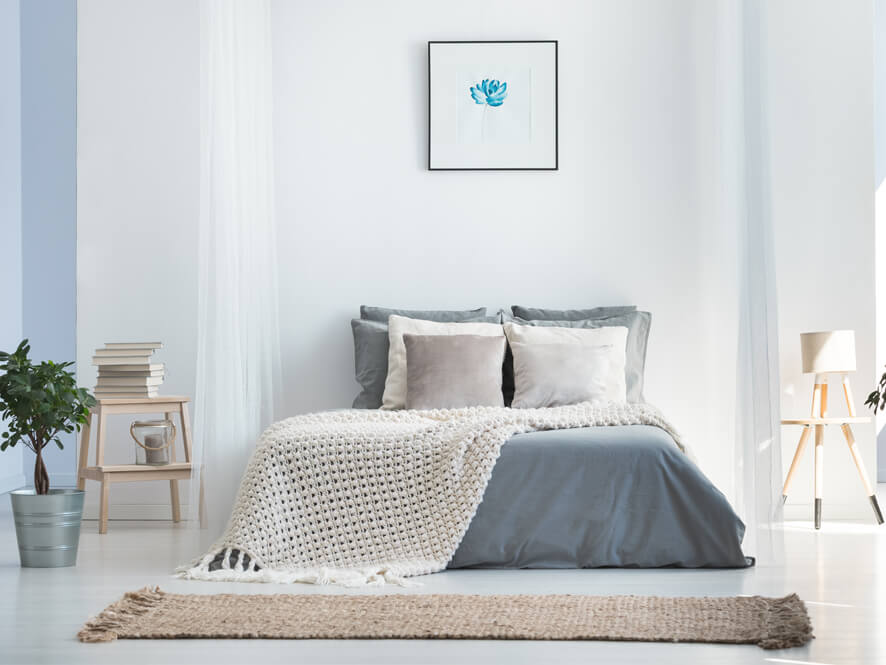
x,y
346,577
365,497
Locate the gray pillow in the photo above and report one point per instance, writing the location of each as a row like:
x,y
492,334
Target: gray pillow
x,y
538,314
371,358
453,371
382,314
370,362
558,374
637,323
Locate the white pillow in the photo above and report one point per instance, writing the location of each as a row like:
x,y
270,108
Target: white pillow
x,y
556,366
395,384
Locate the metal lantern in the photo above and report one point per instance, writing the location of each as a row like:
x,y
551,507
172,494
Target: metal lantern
x,y
153,440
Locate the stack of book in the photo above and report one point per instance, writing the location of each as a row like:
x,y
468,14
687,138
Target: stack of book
x,y
125,370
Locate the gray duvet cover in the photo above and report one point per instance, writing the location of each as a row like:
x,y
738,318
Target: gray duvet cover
x,y
600,496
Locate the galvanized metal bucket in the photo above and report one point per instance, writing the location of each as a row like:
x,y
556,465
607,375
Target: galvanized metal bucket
x,y
47,526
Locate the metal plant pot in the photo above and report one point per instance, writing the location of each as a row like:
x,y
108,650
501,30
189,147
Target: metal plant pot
x,y
47,526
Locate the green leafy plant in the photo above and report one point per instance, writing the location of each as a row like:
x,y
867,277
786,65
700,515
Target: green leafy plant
x,y
39,403
877,398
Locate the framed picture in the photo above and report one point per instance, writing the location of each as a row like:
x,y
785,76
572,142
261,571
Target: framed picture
x,y
492,106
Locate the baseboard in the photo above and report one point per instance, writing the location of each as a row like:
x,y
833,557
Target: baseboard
x,y
11,482
134,511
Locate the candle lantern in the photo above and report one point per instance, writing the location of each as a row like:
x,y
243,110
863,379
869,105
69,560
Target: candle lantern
x,y
153,439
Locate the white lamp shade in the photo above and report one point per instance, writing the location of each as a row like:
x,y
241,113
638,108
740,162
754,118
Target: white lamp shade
x,y
832,351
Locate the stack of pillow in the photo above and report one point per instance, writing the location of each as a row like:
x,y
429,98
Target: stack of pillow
x,y
526,359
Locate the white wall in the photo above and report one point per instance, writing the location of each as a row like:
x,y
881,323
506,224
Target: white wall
x,y
361,220
11,475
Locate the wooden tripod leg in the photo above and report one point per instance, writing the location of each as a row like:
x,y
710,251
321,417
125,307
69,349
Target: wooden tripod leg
x,y
819,472
859,464
798,454
847,393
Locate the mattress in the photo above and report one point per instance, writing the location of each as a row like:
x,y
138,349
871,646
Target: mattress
x,y
600,496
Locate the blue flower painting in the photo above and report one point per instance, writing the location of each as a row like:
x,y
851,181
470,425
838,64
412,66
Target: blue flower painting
x,y
490,92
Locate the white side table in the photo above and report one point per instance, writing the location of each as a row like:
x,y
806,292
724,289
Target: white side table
x,y
819,424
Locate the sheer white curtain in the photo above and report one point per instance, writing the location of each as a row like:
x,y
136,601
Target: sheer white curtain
x,y
238,348
743,208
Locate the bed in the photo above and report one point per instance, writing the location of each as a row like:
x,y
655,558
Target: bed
x,y
579,472
365,497
600,496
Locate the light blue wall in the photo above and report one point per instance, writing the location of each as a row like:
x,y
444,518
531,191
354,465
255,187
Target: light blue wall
x,y
49,191
10,209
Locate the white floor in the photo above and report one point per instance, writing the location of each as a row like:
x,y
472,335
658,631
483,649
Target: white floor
x,y
840,572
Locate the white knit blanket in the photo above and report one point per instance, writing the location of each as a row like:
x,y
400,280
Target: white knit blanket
x,y
368,497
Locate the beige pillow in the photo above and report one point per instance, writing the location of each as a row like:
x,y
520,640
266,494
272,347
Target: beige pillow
x,y
395,384
453,371
557,366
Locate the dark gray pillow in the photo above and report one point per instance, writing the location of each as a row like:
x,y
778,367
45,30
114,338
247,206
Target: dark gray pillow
x,y
637,323
382,314
371,357
370,362
453,371
538,314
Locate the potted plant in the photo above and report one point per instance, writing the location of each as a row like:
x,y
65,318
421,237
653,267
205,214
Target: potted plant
x,y
877,398
39,403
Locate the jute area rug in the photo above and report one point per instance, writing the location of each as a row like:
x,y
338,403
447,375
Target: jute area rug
x,y
771,623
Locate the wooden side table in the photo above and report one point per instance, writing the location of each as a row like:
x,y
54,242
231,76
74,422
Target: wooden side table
x,y
121,473
819,424
819,419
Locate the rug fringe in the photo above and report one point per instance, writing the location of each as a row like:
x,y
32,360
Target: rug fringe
x,y
104,627
787,623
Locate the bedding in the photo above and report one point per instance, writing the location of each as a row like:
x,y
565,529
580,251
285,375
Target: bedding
x,y
541,314
453,371
371,352
559,374
370,362
395,383
557,366
638,325
359,496
600,496
382,314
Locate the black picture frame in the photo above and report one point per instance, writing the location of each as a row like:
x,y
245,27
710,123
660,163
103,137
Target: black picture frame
x,y
556,166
